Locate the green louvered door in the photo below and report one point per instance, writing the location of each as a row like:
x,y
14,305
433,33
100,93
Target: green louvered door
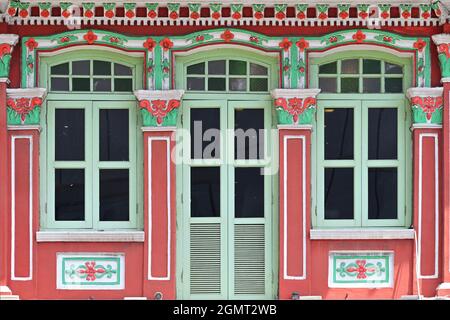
x,y
227,216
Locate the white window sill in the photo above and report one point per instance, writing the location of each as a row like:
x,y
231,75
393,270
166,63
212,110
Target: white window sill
x,y
90,236
361,234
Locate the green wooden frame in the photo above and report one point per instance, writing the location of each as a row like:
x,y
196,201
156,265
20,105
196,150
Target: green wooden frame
x,y
361,102
91,102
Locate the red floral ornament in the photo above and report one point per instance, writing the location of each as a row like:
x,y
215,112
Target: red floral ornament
x,y
215,15
166,44
361,269
227,36
295,106
23,106
109,14
173,15
323,16
302,44
152,14
159,108
31,44
5,49
236,15
64,39
130,14
90,37
359,36
406,14
363,15
443,48
12,11
149,44
285,44
23,13
258,15
89,14
45,13
195,15
420,44
280,15
427,104
65,13
91,271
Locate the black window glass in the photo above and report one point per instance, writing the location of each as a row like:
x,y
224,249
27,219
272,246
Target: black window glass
x,y
216,67
216,84
350,85
123,85
81,67
371,66
81,84
257,70
198,68
391,68
338,133
249,134
69,195
114,135
382,193
248,193
69,134
382,133
350,66
328,84
371,85
393,85
102,68
258,84
121,70
60,69
205,192
102,84
237,67
205,129
339,193
195,83
238,84
329,68
114,195
60,84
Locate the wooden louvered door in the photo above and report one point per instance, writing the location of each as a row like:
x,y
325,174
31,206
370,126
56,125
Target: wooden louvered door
x,y
227,216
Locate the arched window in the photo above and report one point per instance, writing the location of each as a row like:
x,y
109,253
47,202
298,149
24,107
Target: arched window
x,y
362,140
90,137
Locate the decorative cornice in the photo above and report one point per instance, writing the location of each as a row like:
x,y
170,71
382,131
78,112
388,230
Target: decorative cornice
x,y
185,12
427,105
159,107
295,106
24,105
10,39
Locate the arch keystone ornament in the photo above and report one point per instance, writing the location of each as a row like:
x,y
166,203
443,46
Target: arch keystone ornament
x,y
427,106
159,107
24,105
7,43
295,106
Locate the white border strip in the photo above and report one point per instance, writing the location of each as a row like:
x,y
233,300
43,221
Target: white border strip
x,y
13,208
285,231
169,211
436,205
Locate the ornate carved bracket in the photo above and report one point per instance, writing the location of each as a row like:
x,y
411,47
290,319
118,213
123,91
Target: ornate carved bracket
x,y
295,106
159,107
7,43
24,105
442,42
427,105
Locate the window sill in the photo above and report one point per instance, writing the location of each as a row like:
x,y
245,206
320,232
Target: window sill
x,y
361,234
90,236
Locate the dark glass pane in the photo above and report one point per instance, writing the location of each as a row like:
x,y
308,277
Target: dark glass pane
x,y
349,85
350,66
216,67
216,84
102,84
114,135
60,69
69,194
371,85
121,70
330,68
205,192
114,195
81,84
393,85
382,133
60,84
123,85
102,68
338,133
249,134
69,134
198,68
391,68
371,66
328,84
238,67
195,83
248,193
383,193
238,84
257,70
258,84
339,193
205,130
81,68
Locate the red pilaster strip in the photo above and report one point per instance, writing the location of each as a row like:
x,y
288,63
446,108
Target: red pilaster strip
x,y
446,187
4,221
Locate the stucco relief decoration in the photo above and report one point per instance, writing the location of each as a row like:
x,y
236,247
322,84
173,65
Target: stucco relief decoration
x,y
24,106
301,110
427,105
160,109
5,58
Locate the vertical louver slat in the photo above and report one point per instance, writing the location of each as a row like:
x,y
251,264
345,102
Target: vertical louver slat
x,y
249,259
205,253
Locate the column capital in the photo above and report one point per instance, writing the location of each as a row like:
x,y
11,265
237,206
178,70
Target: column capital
x,y
159,107
295,106
24,105
427,105
442,42
7,43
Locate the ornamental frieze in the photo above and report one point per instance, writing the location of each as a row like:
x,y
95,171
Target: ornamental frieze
x,y
427,105
24,105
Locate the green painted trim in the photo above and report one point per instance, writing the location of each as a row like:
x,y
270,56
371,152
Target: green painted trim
x,y
5,65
